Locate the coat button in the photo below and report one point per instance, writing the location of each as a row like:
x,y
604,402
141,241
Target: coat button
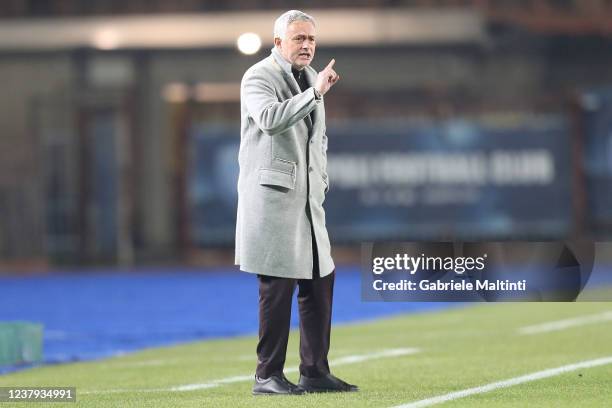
x,y
310,169
311,141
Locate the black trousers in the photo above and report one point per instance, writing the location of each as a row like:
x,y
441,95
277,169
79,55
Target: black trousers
x,y
315,308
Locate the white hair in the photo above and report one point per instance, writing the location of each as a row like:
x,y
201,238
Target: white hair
x,y
281,23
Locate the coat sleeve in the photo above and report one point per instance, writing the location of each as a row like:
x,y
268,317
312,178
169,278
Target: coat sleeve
x,y
271,115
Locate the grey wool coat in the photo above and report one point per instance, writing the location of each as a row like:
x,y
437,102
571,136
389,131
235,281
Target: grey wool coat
x,y
283,161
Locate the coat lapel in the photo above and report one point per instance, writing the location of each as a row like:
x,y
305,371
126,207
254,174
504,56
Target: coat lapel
x,y
310,79
294,87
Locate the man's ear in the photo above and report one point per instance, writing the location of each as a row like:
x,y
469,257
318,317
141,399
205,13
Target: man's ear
x,y
277,42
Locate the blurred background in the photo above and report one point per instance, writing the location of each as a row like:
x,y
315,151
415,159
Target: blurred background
x,y
119,133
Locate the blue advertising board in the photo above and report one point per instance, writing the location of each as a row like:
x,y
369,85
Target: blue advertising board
x,y
597,114
410,180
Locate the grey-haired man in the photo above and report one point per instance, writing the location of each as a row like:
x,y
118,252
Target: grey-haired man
x,y
280,230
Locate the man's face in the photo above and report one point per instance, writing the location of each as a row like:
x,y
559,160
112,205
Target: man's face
x,y
298,46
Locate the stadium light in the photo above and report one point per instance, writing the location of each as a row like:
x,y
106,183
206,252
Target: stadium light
x,y
106,39
249,43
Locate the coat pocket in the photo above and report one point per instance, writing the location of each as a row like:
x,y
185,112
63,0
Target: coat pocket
x,y
271,177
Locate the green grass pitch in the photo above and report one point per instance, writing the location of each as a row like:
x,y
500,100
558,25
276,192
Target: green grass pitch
x,y
459,348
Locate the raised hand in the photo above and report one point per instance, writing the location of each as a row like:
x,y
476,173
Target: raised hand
x,y
326,78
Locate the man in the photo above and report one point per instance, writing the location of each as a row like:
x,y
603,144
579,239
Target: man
x,y
280,229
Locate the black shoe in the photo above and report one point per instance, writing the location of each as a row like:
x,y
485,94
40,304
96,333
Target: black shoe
x,y
276,384
327,383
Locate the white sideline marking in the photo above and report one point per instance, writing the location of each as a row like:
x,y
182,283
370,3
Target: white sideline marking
x,y
357,358
566,323
351,359
507,383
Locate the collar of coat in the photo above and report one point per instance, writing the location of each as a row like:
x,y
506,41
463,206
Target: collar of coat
x,y
285,67
284,64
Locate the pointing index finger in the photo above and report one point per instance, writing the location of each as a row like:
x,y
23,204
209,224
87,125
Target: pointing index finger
x,y
331,64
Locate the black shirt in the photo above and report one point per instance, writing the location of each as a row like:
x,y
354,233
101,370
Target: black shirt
x,y
300,77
